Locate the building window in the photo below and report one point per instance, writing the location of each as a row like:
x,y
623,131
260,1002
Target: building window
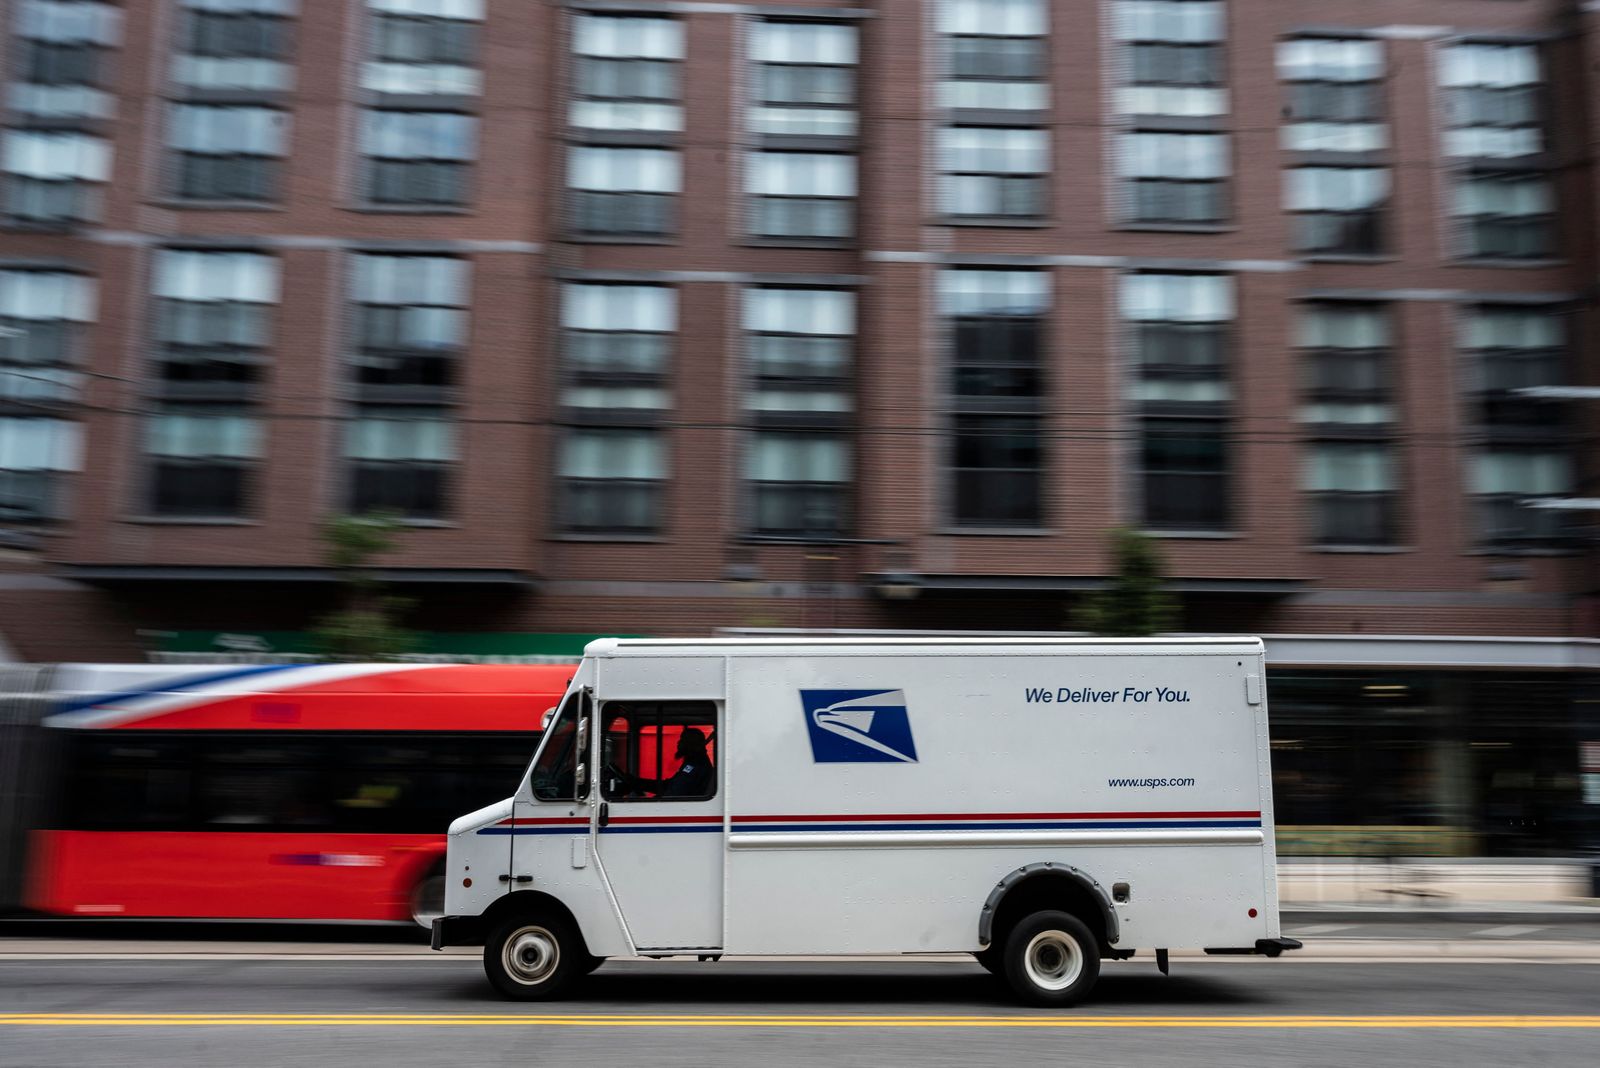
x,y
1509,349
411,325
996,55
1506,216
202,460
627,72
418,158
1351,485
1174,58
400,461
235,45
1176,177
1492,100
1524,441
53,178
992,171
1184,466
1504,479
61,68
1180,325
626,192
1335,90
617,345
1347,369
798,484
996,319
43,316
1338,210
800,343
612,481
1348,410
228,153
802,195
1495,133
424,47
805,78
213,322
36,454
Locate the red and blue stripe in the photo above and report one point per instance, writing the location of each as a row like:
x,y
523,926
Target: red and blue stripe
x,y
937,821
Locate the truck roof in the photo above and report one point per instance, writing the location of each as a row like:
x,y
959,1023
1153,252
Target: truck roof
x,y
1233,644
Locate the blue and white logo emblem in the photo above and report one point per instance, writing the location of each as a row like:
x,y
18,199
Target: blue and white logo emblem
x,y
859,726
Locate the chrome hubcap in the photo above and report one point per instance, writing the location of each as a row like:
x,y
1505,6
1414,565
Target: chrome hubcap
x,y
531,955
1053,960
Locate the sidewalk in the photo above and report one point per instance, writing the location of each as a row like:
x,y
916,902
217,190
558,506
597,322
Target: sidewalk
x,y
1412,911
1427,889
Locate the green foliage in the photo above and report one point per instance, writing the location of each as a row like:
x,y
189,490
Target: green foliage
x,y
353,540
1136,604
365,627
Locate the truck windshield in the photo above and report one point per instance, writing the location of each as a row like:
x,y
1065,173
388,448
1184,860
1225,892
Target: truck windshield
x,y
554,777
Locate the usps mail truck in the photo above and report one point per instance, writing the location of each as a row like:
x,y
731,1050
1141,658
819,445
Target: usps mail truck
x,y
1041,804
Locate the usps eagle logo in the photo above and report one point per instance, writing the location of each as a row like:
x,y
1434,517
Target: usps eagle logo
x,y
859,726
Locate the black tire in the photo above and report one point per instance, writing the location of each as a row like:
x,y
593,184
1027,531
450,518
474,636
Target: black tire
x,y
534,957
991,960
590,963
1051,958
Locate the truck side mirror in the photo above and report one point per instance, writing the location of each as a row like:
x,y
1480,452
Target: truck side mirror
x,y
580,777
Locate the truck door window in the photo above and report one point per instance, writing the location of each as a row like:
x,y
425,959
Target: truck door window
x,y
659,750
554,775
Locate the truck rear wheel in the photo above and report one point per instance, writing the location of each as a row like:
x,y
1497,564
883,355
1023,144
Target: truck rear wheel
x,y
1051,958
534,957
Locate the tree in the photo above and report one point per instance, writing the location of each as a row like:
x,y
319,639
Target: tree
x,y
364,628
1136,604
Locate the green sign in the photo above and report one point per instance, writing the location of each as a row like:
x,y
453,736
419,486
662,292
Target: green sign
x,y
298,646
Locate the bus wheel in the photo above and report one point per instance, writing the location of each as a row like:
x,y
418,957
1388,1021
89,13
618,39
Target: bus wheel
x,y
427,898
1051,959
533,957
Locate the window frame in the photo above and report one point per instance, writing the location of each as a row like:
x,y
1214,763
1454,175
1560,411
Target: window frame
x,y
603,738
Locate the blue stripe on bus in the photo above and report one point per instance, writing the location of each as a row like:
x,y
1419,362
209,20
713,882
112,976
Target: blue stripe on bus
x,y
84,704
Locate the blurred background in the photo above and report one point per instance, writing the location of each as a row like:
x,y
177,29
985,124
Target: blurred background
x,y
468,330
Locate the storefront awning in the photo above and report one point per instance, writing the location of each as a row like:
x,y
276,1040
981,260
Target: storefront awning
x,y
131,574
1014,584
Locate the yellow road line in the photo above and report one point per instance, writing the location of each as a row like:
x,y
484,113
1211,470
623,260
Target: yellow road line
x,y
1061,1020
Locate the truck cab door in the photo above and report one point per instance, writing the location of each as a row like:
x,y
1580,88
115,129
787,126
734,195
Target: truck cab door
x,y
660,828
552,827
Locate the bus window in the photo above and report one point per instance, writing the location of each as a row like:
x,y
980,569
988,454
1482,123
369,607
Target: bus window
x,y
129,783
256,784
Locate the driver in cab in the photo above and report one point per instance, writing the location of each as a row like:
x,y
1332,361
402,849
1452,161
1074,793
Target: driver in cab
x,y
692,779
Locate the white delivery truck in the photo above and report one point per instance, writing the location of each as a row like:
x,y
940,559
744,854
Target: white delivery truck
x,y
1040,804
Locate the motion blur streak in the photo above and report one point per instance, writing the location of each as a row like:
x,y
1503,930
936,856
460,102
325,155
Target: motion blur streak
x,y
513,1020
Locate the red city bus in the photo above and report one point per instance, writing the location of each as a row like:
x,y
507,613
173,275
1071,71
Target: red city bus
x,y
295,791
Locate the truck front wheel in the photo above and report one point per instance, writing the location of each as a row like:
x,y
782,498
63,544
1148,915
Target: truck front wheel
x,y
534,958
1051,959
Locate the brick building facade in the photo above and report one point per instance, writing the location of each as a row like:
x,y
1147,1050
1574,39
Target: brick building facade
x,y
661,317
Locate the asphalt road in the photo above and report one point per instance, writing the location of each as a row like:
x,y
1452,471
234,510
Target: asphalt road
x,y
1363,996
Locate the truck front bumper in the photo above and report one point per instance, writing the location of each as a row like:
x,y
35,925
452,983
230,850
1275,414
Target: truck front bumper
x,y
457,931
